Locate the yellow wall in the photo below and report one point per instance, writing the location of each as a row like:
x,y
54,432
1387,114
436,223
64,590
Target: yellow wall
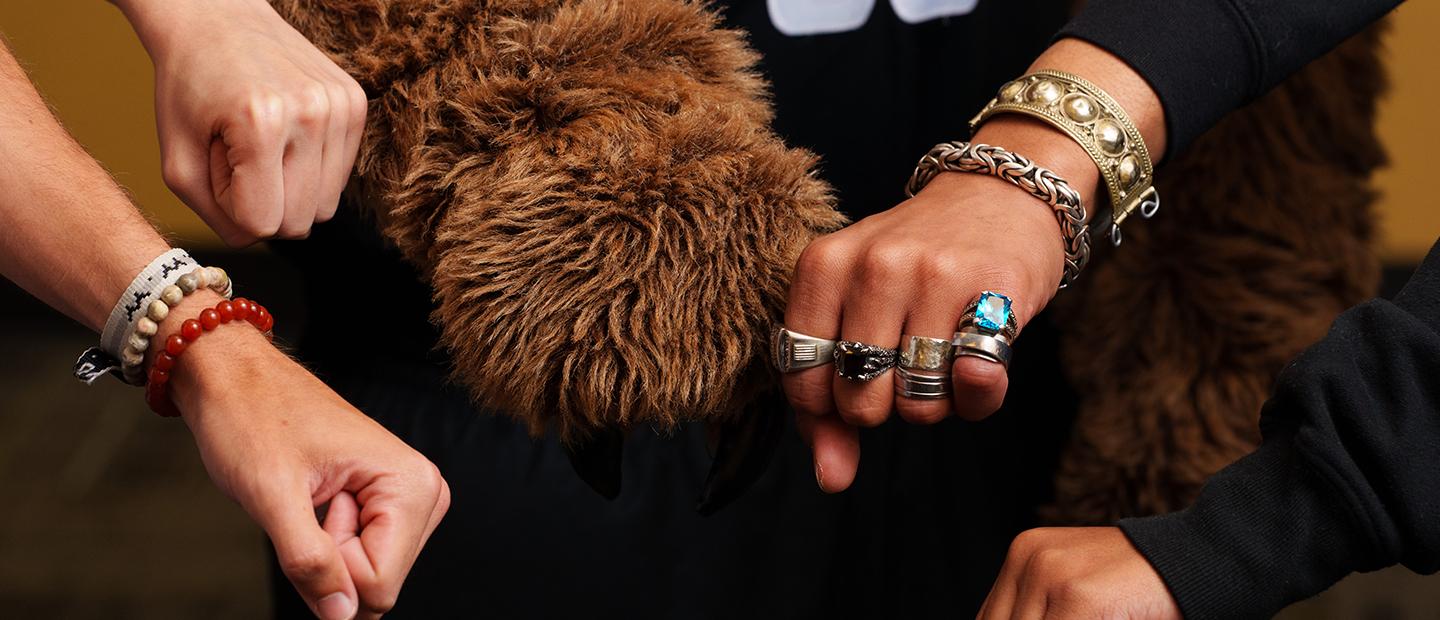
x,y
93,70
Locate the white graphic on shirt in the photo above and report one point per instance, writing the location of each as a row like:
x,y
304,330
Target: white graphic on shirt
x,y
798,18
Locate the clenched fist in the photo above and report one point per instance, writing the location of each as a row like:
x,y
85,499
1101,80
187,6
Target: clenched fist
x,y
258,128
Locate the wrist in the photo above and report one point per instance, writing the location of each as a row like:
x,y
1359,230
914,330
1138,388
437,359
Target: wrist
x,y
219,358
1047,147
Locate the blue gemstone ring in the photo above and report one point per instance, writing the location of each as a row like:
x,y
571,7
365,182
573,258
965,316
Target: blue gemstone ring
x,y
990,315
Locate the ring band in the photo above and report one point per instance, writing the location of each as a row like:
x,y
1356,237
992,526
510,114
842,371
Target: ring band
x,y
922,385
924,353
984,346
858,361
792,351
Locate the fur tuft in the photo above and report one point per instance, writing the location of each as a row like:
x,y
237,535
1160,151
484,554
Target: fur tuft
x,y
591,187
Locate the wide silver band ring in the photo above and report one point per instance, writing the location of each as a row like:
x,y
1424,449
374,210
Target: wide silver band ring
x,y
922,385
925,353
858,361
792,351
984,346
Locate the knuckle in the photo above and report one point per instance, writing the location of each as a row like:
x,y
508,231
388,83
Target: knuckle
x,y
262,111
172,171
1024,542
883,262
357,101
312,106
972,374
257,224
922,411
940,268
304,564
865,409
822,255
808,397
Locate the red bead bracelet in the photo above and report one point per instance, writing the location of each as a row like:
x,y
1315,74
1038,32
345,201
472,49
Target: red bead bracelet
x,y
241,309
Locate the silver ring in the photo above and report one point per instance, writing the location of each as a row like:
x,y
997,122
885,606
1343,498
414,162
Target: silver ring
x,y
923,353
990,314
793,351
984,346
922,385
858,361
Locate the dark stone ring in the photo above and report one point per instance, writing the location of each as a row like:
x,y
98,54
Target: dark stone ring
x,y
858,361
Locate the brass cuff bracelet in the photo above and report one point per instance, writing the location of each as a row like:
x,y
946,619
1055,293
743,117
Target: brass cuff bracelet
x,y
1094,120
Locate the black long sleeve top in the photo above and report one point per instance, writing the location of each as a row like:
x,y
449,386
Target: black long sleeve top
x,y
1346,479
1205,58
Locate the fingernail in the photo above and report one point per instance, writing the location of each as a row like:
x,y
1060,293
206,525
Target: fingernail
x,y
819,475
337,606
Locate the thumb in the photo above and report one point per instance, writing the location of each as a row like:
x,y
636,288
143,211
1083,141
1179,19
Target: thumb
x,y
308,555
836,448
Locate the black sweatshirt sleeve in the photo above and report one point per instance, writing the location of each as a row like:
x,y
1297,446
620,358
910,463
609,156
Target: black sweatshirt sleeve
x,y
1205,58
1346,479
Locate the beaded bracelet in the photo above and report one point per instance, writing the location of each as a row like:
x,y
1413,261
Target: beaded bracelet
x,y
241,309
133,356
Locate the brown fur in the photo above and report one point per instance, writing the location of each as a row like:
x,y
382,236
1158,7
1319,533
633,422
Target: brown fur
x,y
608,226
1262,239
593,190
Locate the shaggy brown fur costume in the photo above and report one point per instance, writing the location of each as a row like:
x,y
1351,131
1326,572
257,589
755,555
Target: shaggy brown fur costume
x,y
608,226
593,190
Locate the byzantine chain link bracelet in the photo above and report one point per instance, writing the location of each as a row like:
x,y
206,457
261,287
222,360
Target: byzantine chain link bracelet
x,y
1023,173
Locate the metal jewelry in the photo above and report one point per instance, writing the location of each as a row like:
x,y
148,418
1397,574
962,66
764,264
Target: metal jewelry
x,y
1023,173
923,353
984,346
858,361
1096,122
922,384
793,351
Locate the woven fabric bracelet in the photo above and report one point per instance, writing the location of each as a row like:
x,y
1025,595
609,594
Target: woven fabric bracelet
x,y
1023,173
160,273
136,316
157,394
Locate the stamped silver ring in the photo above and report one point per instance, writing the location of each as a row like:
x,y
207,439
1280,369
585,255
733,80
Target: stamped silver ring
x,y
990,314
858,361
922,384
984,346
793,351
924,353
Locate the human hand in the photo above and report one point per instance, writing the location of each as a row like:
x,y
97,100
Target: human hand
x,y
258,128
279,442
1077,572
913,270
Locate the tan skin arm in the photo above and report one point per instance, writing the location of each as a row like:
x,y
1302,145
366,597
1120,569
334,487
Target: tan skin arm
x,y
912,270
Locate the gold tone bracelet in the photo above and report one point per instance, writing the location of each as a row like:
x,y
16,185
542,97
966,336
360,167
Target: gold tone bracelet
x,y
1092,118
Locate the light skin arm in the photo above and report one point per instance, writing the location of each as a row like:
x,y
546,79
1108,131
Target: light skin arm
x,y
912,270
271,435
258,129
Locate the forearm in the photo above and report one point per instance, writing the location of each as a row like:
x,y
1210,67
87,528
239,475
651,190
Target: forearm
x,y
73,238
1343,482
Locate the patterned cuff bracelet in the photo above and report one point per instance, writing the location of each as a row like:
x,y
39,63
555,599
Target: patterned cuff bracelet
x,y
1096,121
1023,173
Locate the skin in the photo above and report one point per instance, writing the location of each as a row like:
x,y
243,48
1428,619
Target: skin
x,y
1077,572
258,128
272,436
912,270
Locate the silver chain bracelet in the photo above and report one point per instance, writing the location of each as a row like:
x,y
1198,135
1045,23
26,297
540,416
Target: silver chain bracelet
x,y
1023,173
